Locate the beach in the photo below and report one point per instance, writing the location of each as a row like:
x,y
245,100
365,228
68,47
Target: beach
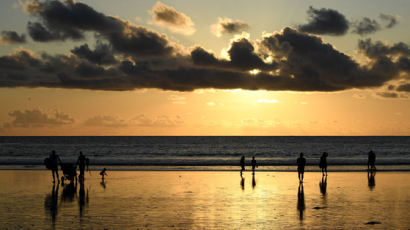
x,y
205,200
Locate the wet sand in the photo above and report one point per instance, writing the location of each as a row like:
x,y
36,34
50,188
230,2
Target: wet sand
x,y
205,200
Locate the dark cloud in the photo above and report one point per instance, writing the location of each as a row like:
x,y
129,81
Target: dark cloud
x,y
242,57
404,87
69,20
37,118
325,21
390,19
299,62
400,52
178,22
379,49
388,94
287,60
12,37
365,26
40,33
228,26
102,54
316,65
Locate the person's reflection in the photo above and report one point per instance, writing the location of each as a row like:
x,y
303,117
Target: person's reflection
x,y
69,192
51,203
323,186
253,181
301,201
243,183
83,198
371,179
103,184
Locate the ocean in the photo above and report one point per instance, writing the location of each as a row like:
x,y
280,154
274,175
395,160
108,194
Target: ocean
x,y
197,152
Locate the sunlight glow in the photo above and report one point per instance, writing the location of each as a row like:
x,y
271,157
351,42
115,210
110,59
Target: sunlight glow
x,y
254,71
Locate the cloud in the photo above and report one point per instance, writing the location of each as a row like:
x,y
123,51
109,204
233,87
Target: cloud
x,y
106,121
129,57
12,37
388,94
404,88
69,20
331,22
170,18
242,57
228,26
365,26
162,121
390,19
159,121
325,21
378,48
102,54
38,118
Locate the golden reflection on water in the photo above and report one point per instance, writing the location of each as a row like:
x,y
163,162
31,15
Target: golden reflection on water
x,y
211,200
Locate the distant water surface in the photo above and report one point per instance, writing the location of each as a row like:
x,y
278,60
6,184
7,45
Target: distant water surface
x,y
205,151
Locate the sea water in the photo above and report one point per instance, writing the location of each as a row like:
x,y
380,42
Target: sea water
x,y
203,151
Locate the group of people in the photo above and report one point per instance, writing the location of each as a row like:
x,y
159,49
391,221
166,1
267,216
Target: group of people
x,y
301,162
253,164
53,161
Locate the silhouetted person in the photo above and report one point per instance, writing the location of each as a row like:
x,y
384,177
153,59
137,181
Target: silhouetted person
x,y
242,183
242,163
323,163
253,181
52,163
254,165
51,203
371,179
82,161
103,173
301,201
371,161
323,185
301,161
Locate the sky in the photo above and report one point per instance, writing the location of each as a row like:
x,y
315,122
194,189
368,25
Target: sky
x,y
186,68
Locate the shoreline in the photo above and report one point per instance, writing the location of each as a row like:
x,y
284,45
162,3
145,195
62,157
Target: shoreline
x,y
283,168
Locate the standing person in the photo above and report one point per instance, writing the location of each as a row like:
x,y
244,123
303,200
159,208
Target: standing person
x,y
52,163
81,162
242,163
323,163
371,161
254,165
301,161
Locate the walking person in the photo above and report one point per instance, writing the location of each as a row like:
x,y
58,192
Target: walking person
x,y
82,161
254,165
323,163
242,164
301,161
52,163
371,161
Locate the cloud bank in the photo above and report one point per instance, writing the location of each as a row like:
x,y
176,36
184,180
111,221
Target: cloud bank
x,y
37,118
128,57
